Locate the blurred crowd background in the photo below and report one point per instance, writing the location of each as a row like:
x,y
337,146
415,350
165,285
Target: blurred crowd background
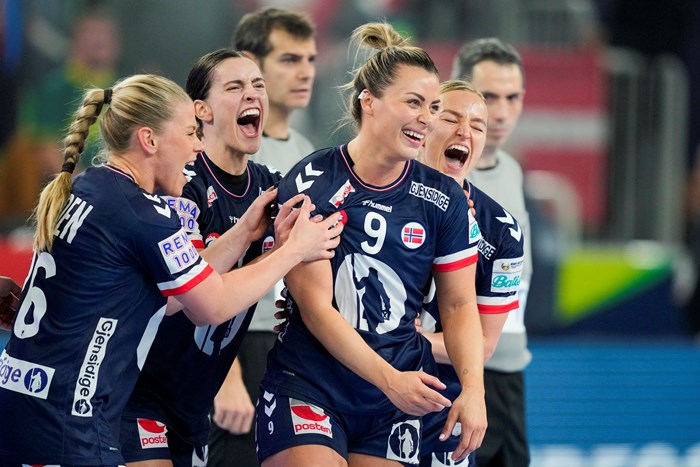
x,y
609,141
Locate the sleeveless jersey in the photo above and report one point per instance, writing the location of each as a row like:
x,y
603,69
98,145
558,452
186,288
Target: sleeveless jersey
x,y
498,271
187,363
394,237
89,313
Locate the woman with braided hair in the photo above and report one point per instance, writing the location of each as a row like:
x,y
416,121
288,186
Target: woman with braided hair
x,y
111,259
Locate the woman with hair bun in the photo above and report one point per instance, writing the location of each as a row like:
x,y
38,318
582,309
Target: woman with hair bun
x,y
349,377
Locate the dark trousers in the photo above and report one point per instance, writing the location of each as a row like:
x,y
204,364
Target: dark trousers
x,y
226,449
505,442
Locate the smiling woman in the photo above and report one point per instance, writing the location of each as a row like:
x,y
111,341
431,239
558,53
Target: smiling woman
x,y
110,261
350,365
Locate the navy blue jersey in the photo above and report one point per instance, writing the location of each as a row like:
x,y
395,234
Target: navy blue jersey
x,y
497,271
188,363
89,313
394,237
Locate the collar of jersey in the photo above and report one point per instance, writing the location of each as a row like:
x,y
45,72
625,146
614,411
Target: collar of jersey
x,y
218,182
119,171
349,163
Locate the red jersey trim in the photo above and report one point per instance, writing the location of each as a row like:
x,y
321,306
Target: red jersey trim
x,y
189,285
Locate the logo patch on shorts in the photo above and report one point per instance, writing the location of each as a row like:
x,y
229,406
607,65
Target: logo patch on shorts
x,y
404,442
152,433
439,459
309,419
200,456
268,243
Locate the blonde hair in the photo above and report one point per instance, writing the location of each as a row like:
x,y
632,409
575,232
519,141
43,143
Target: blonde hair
x,y
379,70
460,85
449,86
139,100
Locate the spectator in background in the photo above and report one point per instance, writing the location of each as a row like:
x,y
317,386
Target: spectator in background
x,y
92,59
11,43
34,153
282,43
495,68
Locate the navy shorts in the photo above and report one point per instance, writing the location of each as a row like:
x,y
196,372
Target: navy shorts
x,y
143,439
444,459
283,422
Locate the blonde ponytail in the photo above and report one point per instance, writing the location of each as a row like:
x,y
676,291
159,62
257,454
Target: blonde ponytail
x,y
55,195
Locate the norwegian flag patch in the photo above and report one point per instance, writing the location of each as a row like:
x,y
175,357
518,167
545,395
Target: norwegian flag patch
x,y
413,235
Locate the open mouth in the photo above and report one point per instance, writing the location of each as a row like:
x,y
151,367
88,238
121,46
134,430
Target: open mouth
x,y
457,153
413,136
249,121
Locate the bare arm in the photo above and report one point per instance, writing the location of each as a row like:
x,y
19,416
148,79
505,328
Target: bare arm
x,y
233,409
220,297
464,345
311,286
491,326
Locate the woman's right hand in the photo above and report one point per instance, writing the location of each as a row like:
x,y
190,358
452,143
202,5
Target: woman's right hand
x,y
410,392
314,238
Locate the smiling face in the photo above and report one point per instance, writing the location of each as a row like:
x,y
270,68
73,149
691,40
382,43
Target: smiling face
x,y
289,69
236,104
178,146
400,119
458,139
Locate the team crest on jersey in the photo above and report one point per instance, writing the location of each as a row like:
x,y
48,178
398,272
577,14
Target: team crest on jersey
x,y
404,442
309,419
268,243
152,433
211,196
343,192
413,235
211,238
25,377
